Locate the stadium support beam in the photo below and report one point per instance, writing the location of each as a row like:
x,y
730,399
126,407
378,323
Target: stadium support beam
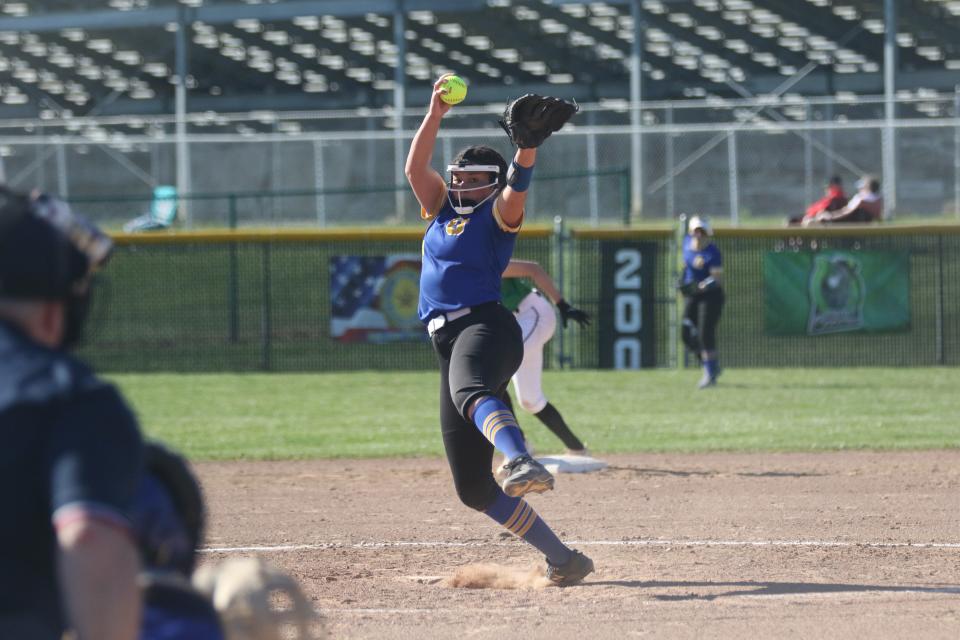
x,y
890,106
221,13
636,115
956,151
399,102
180,99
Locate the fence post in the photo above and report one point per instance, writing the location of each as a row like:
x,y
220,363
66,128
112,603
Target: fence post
x,y
265,320
233,317
671,190
558,254
592,168
319,198
678,350
807,156
625,194
940,302
734,182
956,150
63,189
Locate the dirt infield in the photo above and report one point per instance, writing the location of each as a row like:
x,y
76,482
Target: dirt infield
x,y
837,545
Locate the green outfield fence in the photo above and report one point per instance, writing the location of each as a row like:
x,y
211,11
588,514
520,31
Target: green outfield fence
x,y
261,301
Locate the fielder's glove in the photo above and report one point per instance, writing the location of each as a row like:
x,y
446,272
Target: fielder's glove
x,y
530,119
688,288
568,313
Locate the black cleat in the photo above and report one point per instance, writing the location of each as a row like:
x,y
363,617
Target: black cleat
x,y
526,475
576,569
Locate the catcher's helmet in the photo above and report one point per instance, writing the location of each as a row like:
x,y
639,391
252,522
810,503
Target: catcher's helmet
x,y
47,253
699,222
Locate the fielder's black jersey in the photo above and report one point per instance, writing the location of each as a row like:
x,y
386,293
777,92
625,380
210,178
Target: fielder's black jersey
x,y
70,446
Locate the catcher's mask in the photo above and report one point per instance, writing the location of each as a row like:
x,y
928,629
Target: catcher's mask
x,y
476,159
48,253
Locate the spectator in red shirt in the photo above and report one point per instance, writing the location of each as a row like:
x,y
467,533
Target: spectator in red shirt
x,y
865,206
833,199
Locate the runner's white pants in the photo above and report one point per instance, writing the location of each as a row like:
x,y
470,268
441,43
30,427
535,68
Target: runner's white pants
x,y
537,321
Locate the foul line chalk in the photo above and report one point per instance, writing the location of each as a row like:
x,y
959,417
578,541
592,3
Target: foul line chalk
x,y
586,543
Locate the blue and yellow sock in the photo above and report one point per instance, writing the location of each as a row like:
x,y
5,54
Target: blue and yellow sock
x,y
519,518
498,425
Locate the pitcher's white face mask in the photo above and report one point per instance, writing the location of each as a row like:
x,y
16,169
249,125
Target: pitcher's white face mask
x,y
455,195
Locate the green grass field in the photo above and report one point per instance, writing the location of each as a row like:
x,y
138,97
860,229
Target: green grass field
x,y
372,414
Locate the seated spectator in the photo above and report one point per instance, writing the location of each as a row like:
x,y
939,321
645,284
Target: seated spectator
x,y
163,212
833,199
865,206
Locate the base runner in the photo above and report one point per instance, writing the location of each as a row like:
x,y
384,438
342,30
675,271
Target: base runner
x,y
538,322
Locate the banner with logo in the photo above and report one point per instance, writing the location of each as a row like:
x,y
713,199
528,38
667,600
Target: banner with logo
x,y
626,323
374,298
808,293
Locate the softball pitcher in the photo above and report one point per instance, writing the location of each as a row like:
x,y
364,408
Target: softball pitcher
x,y
474,219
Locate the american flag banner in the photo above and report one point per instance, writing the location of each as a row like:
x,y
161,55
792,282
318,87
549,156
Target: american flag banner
x,y
374,298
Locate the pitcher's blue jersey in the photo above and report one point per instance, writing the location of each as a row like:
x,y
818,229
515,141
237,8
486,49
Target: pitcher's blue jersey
x,y
697,264
463,257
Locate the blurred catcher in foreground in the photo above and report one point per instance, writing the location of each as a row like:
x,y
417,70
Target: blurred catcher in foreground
x,y
72,450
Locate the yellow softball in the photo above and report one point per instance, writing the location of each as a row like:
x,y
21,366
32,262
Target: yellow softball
x,y
455,90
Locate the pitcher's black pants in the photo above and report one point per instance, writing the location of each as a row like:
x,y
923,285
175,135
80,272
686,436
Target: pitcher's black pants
x,y
478,353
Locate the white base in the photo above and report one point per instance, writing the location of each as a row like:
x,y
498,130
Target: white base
x,y
564,463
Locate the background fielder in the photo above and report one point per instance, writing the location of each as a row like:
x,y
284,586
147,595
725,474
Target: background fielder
x,y
703,297
538,322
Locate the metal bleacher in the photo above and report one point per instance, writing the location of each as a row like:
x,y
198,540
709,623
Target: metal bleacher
x,y
117,56
176,91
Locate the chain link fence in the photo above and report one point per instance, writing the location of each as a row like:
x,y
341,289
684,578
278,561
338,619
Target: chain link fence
x,y
328,301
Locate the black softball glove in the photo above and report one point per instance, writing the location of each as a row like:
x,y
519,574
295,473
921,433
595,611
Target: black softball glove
x,y
568,313
688,288
530,119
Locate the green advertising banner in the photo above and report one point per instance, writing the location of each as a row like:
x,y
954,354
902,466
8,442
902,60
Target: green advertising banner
x,y
808,293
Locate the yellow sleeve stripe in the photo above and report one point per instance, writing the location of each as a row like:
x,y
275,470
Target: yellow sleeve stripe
x,y
430,215
503,225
